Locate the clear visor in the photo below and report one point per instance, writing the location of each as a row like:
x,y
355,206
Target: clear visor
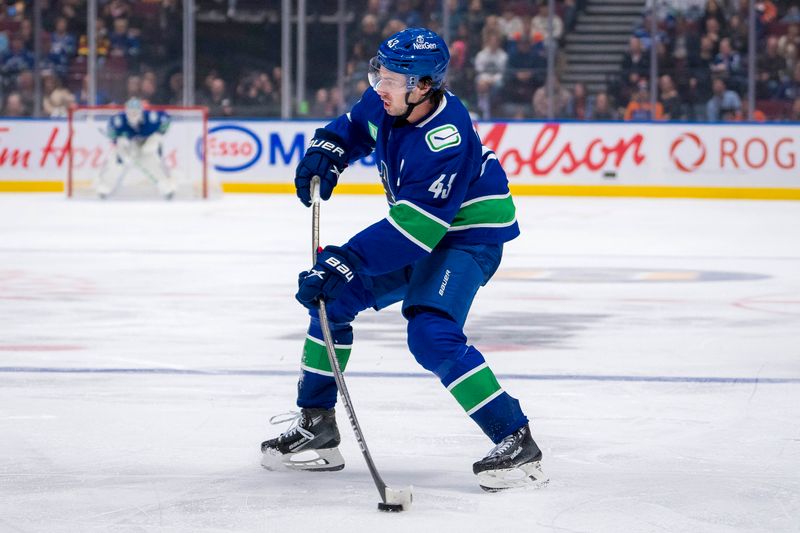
x,y
391,81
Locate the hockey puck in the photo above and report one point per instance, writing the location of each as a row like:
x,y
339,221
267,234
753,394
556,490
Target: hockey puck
x,y
390,507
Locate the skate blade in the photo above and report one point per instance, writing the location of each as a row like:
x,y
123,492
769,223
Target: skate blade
x,y
529,475
322,460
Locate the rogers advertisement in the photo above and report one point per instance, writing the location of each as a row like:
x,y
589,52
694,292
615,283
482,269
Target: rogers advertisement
x,y
533,153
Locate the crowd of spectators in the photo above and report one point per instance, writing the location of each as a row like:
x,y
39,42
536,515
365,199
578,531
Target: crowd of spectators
x,y
498,65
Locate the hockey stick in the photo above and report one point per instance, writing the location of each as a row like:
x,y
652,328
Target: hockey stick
x,y
392,499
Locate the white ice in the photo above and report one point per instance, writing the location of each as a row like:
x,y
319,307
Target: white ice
x,y
655,345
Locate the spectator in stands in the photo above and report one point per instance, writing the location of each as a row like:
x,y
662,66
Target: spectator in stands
x,y
58,98
117,9
257,94
474,20
635,61
578,106
25,32
511,25
393,26
218,101
700,68
322,106
713,12
124,40
14,106
561,98
794,113
63,46
539,23
791,89
133,87
17,59
149,87
601,108
728,64
685,43
491,26
771,70
460,74
526,68
570,13
639,108
25,89
369,37
789,44
406,12
737,33
712,33
669,98
724,103
490,70
173,92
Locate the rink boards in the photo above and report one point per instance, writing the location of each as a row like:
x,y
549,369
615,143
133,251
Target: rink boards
x,y
541,158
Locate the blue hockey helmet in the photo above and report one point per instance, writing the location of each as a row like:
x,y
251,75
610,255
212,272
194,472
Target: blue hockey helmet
x,y
134,110
416,52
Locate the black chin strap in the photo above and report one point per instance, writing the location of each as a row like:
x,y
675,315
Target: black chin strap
x,y
410,106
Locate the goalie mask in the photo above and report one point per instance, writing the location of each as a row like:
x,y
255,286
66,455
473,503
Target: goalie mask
x,y
134,111
417,53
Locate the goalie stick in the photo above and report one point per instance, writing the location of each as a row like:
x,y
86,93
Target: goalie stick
x,y
392,500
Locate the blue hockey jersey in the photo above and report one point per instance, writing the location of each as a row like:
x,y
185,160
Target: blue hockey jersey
x,y
152,122
443,186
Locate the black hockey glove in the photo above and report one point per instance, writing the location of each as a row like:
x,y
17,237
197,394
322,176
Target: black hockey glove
x,y
326,158
326,279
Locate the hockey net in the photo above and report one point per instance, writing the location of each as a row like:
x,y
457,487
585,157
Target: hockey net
x,y
183,155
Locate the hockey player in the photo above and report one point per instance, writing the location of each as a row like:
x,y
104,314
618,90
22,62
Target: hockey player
x,y
450,211
137,134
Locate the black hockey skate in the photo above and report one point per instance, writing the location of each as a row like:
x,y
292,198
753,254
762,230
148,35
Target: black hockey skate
x,y
514,462
310,443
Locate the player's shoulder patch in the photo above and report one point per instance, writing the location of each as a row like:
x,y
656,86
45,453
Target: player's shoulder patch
x,y
443,137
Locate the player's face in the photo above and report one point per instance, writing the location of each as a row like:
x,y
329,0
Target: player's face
x,y
134,116
391,87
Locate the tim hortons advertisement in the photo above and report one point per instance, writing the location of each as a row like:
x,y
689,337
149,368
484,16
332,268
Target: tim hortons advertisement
x,y
533,153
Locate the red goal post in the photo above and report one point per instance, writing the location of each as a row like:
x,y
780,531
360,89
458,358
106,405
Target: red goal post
x,y
185,149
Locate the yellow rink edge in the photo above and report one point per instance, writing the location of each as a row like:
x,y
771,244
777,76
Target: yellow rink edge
x,y
644,191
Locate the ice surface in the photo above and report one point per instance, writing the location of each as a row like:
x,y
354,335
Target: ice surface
x,y
144,345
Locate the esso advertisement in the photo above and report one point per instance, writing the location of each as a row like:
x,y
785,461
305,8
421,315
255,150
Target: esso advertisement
x,y
268,151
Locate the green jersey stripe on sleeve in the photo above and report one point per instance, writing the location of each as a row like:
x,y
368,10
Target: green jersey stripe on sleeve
x,y
419,226
489,211
315,356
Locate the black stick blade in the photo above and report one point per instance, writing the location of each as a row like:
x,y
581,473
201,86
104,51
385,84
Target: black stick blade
x,y
390,507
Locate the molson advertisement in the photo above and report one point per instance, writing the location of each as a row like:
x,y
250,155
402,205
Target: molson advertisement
x,y
618,159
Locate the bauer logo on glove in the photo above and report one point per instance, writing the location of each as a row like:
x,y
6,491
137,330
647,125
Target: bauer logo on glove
x,y
326,157
326,279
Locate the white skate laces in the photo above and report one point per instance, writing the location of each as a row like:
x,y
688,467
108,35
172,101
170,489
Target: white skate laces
x,y
502,447
296,419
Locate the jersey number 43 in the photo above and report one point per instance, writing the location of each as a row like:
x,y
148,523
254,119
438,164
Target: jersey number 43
x,y
439,189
